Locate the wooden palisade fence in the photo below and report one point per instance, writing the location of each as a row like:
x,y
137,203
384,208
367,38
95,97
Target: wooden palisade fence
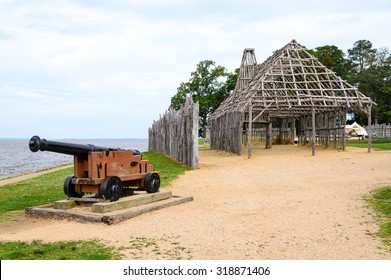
x,y
175,134
228,128
381,130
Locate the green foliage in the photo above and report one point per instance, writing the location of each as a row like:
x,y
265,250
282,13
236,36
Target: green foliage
x,y
373,78
365,67
362,54
334,59
69,250
209,85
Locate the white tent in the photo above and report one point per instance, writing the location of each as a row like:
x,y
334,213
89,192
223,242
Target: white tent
x,y
355,129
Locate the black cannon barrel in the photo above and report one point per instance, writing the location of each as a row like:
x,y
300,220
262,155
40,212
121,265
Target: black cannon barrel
x,y
37,144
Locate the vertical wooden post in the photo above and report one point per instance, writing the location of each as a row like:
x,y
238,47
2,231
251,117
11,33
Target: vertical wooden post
x,y
327,124
313,132
269,132
343,123
307,130
250,125
369,128
293,130
239,122
302,131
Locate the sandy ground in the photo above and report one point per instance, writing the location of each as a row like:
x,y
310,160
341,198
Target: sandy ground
x,y
280,204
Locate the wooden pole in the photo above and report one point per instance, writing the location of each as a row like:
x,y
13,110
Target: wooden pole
x,y
327,120
293,130
343,130
250,124
269,132
369,128
313,132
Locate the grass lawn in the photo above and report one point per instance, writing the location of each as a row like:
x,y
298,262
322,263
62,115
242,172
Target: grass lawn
x,y
169,168
377,144
48,188
381,202
202,146
63,250
37,191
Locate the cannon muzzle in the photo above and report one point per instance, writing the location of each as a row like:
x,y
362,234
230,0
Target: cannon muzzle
x,y
37,144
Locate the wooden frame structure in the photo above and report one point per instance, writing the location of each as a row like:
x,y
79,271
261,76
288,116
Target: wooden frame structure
x,y
293,88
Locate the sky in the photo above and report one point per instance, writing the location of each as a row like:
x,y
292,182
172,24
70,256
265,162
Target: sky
x,y
108,69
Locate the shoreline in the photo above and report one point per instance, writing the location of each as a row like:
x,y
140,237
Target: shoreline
x,y
30,175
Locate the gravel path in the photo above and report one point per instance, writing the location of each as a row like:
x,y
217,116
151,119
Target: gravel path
x,y
280,204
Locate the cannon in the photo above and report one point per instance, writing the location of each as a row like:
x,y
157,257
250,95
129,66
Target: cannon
x,y
102,171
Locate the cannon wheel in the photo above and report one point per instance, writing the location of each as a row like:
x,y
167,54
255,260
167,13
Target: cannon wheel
x,y
69,188
111,188
151,182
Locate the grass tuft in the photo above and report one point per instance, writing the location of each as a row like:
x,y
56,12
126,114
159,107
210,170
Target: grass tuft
x,y
381,202
169,168
69,250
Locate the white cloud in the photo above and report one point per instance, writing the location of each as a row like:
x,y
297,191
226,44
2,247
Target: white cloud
x,y
120,62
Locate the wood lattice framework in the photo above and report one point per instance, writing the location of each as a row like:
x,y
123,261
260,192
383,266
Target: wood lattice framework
x,y
290,85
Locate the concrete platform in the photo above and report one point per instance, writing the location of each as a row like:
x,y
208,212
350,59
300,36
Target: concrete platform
x,y
130,201
108,212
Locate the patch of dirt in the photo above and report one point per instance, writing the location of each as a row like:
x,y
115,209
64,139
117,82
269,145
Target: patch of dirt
x,y
280,204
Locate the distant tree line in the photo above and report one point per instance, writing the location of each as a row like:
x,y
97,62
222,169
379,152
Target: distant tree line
x,y
365,67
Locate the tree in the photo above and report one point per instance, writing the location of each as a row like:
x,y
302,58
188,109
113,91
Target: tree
x,y
375,81
384,94
209,85
362,54
367,68
373,78
334,59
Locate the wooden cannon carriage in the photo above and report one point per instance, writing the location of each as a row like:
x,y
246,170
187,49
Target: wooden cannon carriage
x,y
102,171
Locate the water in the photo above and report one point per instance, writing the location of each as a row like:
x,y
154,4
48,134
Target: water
x,y
16,157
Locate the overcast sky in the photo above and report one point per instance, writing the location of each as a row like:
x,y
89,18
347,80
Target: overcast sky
x,y
107,69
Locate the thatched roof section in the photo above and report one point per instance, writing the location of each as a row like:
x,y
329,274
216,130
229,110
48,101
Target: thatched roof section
x,y
290,83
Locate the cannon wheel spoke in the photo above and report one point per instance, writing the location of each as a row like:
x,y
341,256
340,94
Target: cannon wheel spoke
x,y
111,188
152,182
69,188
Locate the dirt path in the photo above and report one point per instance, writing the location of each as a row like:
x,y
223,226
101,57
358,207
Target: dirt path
x,y
280,204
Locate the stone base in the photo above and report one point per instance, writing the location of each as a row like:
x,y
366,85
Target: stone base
x,y
108,212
